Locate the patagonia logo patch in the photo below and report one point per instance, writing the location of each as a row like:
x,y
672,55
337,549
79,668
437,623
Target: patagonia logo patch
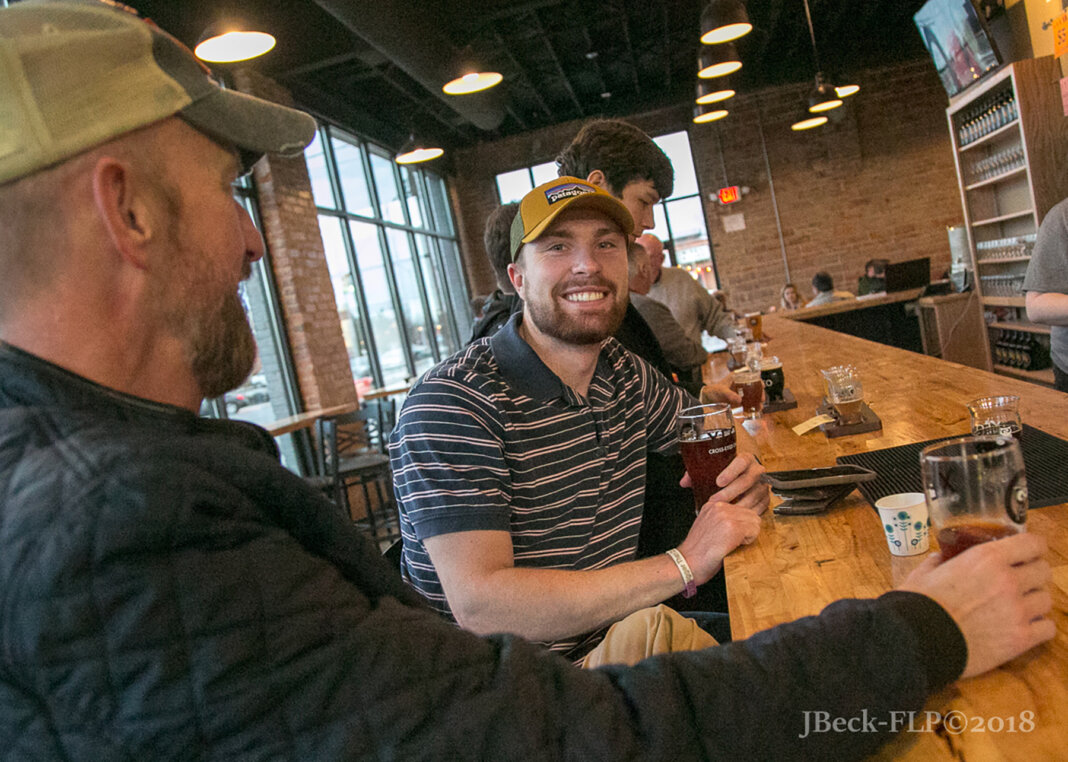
x,y
567,190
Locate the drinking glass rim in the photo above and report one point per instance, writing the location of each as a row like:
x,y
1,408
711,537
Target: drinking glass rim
x,y
1004,442
1014,398
719,407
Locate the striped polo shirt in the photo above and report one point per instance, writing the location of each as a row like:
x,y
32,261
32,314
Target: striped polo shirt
x,y
491,439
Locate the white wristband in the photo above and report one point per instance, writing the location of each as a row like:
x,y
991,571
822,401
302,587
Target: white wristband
x,y
684,569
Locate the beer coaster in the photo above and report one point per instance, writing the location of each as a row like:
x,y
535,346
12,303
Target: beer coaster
x,y
869,422
788,402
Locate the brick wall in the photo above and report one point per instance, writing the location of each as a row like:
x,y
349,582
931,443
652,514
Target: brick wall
x,y
291,229
877,182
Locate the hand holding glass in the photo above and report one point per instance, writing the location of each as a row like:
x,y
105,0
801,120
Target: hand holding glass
x,y
708,445
976,490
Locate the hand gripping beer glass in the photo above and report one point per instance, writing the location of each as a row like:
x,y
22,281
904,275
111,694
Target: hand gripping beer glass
x,y
708,445
976,490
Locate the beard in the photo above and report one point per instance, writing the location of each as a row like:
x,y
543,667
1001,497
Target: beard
x,y
221,347
548,317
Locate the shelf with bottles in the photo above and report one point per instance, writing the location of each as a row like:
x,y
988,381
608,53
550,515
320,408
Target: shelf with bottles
x,y
1003,285
1011,249
989,116
1012,173
1021,350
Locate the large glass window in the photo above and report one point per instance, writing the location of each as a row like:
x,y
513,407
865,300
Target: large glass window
x,y
679,220
393,258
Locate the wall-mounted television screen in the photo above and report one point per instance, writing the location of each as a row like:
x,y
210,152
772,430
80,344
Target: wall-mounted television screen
x,y
960,45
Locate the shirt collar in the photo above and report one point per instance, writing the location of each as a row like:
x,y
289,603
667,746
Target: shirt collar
x,y
524,370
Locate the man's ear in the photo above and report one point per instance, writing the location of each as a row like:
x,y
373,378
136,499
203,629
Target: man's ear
x,y
515,274
596,177
121,203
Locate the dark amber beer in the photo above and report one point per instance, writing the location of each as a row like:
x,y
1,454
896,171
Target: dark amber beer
x,y
750,386
957,538
707,444
705,459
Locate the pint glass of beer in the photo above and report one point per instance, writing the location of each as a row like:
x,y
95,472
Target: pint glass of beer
x,y
708,445
976,490
748,384
755,321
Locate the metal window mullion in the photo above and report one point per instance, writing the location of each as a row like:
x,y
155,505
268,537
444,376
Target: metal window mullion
x,y
413,253
387,265
361,301
438,260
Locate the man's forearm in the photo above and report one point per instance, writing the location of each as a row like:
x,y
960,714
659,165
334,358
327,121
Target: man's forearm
x,y
551,604
1050,308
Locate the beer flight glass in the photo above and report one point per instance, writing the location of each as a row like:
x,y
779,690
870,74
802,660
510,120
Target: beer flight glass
x,y
748,383
845,392
996,415
708,444
976,490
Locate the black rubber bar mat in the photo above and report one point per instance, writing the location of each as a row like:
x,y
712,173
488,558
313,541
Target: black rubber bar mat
x,y
1045,459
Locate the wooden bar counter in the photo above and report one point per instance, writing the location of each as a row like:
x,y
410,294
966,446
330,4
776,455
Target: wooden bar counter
x,y
800,564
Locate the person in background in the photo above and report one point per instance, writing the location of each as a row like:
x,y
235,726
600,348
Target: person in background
x,y
171,591
824,292
873,281
500,305
685,355
790,298
696,310
1046,287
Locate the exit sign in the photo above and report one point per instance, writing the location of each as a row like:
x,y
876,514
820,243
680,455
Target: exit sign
x,y
729,195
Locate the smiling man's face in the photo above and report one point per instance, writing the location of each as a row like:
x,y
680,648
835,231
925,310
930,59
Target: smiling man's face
x,y
573,278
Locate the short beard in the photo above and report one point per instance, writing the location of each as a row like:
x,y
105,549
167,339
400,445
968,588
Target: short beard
x,y
222,348
553,323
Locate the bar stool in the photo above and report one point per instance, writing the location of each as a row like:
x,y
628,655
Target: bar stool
x,y
350,451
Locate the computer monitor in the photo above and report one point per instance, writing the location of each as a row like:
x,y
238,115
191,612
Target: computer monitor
x,y
912,273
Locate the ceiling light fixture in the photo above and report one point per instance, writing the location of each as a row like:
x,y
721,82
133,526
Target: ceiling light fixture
x,y
704,114
471,77
414,151
718,61
228,42
713,92
824,96
723,21
807,121
844,91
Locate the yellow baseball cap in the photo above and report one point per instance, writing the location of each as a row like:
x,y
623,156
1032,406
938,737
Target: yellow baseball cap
x,y
77,73
542,205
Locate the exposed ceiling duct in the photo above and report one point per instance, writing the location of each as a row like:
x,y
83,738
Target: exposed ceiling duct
x,y
417,47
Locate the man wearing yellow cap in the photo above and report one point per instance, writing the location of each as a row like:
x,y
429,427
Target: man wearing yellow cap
x,y
519,464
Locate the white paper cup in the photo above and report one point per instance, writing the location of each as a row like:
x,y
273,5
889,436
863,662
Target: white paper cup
x,y
905,523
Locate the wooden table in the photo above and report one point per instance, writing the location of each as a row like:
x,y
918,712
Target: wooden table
x,y
800,564
307,419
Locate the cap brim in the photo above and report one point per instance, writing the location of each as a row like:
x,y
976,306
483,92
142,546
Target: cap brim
x,y
252,125
598,201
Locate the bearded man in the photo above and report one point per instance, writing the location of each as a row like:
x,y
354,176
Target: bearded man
x,y
519,463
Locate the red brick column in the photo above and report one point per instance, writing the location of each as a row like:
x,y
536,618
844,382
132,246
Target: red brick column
x,y
291,229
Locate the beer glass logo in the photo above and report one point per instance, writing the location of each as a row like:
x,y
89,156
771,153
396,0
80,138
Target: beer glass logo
x,y
1016,498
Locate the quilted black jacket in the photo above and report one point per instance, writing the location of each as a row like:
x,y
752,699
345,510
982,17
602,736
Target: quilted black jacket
x,y
169,591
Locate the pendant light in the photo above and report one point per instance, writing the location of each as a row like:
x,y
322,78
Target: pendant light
x,y
704,114
713,91
718,61
723,21
471,75
824,96
806,121
415,151
229,42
